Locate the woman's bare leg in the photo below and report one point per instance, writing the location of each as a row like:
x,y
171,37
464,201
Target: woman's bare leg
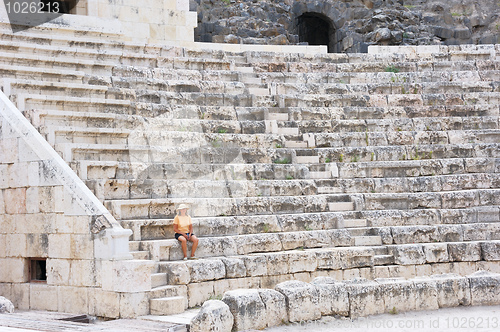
x,y
183,245
194,239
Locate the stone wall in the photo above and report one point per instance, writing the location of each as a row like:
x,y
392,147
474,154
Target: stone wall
x,y
47,213
353,24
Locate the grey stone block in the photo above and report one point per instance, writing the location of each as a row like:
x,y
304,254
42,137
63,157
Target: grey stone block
x,y
485,288
333,296
302,300
214,316
247,308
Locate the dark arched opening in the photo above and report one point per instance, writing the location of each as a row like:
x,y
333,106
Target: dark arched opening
x,y
316,29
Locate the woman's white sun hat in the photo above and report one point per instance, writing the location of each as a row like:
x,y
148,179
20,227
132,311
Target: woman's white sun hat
x,y
182,206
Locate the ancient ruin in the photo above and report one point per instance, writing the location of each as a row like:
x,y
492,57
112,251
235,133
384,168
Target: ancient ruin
x,y
310,174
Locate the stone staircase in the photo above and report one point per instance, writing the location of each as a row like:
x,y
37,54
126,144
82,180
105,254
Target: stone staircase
x,y
295,166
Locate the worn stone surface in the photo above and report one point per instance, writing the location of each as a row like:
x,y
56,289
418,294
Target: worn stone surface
x,y
275,304
248,310
484,288
214,316
302,300
333,296
6,306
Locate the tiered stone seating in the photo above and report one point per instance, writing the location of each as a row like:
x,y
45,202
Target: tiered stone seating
x,y
295,166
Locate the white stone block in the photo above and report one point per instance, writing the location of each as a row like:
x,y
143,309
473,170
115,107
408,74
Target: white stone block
x,y
206,270
426,297
32,200
364,298
58,271
43,297
485,288
84,273
178,273
16,245
436,252
13,270
302,300
248,310
333,296
464,251
8,151
200,292
275,304
82,246
15,200
72,299
104,303
214,315
452,290
60,245
127,276
37,245
491,250
18,175
133,305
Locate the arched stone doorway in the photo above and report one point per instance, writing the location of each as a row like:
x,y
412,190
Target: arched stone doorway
x,y
316,29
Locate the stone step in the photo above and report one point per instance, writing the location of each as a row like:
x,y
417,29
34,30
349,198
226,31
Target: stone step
x,y
140,254
320,175
170,249
168,305
244,69
168,290
355,223
278,116
307,159
41,74
158,279
134,245
383,260
162,228
183,319
288,131
367,241
296,144
259,91
329,190
250,79
341,206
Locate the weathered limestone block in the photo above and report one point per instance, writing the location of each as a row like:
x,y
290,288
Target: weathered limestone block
x,y
409,254
126,276
302,300
248,310
277,263
478,232
425,294
451,233
293,240
333,296
341,237
355,257
214,316
178,273
199,292
464,251
275,304
397,293
300,261
256,265
133,305
104,303
72,299
484,288
490,250
414,234
328,259
436,252
452,290
43,297
6,306
207,269
257,242
365,298
235,267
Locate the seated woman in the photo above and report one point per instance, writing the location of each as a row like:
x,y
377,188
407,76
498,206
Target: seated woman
x,y
183,228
